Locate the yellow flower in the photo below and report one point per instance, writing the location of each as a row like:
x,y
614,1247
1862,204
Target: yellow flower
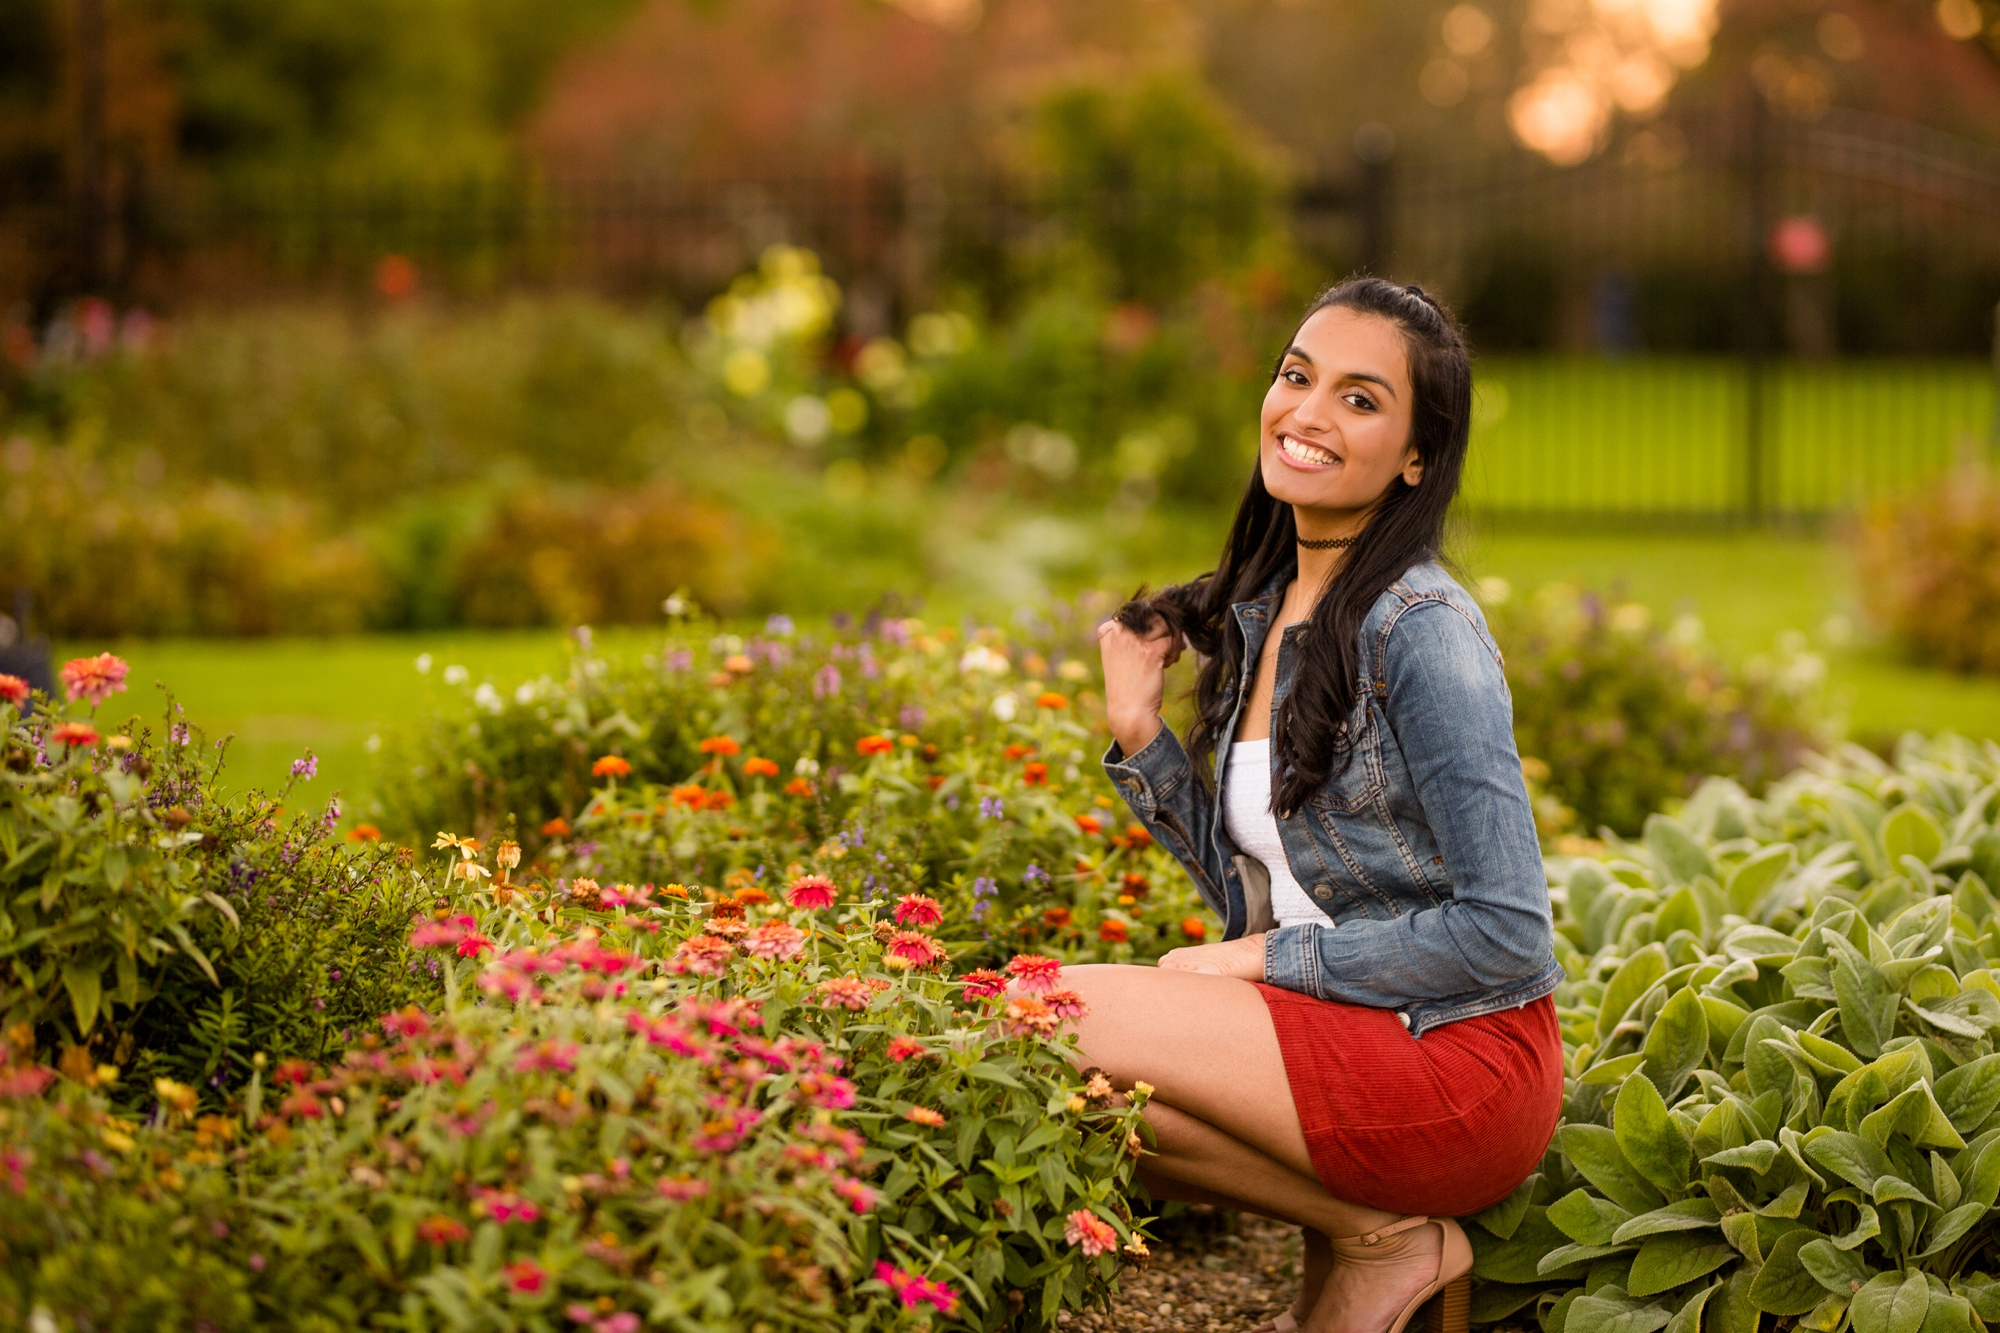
x,y
1077,1105
1142,1089
178,1098
471,871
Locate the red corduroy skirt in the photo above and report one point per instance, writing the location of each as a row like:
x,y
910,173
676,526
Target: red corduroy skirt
x,y
1446,1126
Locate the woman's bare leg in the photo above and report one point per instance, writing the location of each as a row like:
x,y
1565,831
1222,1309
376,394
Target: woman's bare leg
x,y
1223,1116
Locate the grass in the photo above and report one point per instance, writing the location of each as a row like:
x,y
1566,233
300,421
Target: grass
x,y
280,697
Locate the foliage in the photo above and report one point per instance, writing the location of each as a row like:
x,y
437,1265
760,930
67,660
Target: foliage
x,y
920,760
153,924
1628,718
1779,1021
1930,570
717,1112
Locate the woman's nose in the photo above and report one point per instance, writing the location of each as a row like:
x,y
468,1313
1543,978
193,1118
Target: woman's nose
x,y
1315,413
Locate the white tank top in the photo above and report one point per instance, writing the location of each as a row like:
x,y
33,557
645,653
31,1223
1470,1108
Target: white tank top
x,y
1254,829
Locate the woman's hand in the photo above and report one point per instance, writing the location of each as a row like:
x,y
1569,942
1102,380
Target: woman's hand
x,y
1241,958
1135,680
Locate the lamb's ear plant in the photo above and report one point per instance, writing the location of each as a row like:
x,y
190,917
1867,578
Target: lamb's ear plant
x,y
1778,1018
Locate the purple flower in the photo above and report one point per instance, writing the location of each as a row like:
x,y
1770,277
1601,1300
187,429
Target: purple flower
x,y
305,768
680,659
990,808
912,716
1034,874
178,733
826,681
869,668
984,887
780,625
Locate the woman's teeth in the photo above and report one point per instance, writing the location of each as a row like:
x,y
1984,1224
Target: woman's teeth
x,y
1305,453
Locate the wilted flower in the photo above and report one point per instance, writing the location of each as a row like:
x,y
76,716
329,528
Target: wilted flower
x,y
776,940
1090,1232
1034,973
755,767
507,855
94,679
611,766
13,690
811,893
74,733
903,1048
914,909
924,1115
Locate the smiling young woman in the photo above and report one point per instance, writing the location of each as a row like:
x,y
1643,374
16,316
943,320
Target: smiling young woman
x,y
1371,1049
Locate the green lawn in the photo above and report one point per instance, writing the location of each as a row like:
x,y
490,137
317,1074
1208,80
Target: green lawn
x,y
280,697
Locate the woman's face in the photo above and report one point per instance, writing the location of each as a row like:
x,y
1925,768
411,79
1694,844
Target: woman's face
x,y
1336,422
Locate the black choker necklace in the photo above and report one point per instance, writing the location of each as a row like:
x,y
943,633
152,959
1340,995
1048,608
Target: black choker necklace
x,y
1329,543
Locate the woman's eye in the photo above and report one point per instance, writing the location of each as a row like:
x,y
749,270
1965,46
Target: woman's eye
x,y
1361,400
1296,376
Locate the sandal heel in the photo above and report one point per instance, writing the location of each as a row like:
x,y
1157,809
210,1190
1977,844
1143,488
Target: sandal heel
x,y
1450,1311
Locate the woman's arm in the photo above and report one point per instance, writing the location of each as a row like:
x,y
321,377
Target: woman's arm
x,y
1448,707
1146,761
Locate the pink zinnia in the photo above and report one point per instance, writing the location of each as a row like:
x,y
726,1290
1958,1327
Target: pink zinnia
x,y
914,909
1067,1004
917,950
913,1290
775,939
905,1048
447,934
505,1206
859,1196
547,1057
830,1091
1095,1235
845,993
681,1191
1034,973
94,679
526,1276
983,984
13,690
811,893
704,955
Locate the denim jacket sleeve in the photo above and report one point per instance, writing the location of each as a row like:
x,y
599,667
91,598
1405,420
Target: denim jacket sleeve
x,y
1176,807
1444,697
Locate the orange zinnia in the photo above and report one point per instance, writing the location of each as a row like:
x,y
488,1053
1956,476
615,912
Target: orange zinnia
x,y
1035,774
610,766
799,787
754,767
1050,699
556,828
874,745
722,745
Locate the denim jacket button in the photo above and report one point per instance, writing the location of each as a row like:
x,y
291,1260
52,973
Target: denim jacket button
x,y
1322,891
1402,1018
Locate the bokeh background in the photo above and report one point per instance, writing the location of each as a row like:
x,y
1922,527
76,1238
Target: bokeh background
x,y
352,352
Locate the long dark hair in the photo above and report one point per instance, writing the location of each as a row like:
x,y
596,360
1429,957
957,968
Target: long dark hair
x,y
1406,528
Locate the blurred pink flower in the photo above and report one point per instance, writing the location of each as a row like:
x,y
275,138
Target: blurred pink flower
x,y
1034,973
1095,1235
94,679
776,940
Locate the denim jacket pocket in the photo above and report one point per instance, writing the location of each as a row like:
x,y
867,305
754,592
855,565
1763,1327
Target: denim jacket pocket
x,y
1357,785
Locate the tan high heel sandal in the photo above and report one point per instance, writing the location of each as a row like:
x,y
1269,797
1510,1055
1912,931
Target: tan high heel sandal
x,y
1447,1301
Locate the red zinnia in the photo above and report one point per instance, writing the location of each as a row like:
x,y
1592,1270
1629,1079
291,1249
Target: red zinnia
x,y
1113,932
811,893
874,745
914,909
1034,774
94,679
74,733
526,1276
1034,972
13,690
983,984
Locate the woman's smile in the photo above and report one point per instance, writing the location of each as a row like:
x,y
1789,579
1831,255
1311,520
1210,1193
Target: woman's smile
x,y
1305,455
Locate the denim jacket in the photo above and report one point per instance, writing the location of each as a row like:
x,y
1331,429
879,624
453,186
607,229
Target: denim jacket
x,y
1422,853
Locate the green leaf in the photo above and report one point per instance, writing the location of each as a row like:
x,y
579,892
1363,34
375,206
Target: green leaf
x,y
83,979
1948,1314
1947,1230
1593,1150
1969,1093
1677,1043
1514,1258
1587,1219
1688,1318
1503,1217
1494,1301
1784,1285
1634,977
1983,1292
1826,1316
1867,1005
1867,1226
1835,1269
1650,1138
1825,1056
1910,830
1892,1303
1686,1215
1606,1072
1665,1262
1756,1156
1748,881
1888,1189
1731,1310
1568,1256
1676,849
1596,1314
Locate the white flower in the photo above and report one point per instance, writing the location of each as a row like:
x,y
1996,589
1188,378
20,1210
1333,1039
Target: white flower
x,y
423,664
1005,706
456,675
981,658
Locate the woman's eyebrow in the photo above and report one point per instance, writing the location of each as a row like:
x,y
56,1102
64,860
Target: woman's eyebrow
x,y
1389,388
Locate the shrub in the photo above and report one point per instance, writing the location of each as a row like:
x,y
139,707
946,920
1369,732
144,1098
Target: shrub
x,y
1930,571
1628,718
1778,1017
644,1106
151,924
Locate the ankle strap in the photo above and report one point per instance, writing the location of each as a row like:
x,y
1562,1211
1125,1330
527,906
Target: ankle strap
x,y
1380,1234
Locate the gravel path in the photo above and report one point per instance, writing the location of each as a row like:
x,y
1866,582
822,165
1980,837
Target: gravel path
x,y
1211,1273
